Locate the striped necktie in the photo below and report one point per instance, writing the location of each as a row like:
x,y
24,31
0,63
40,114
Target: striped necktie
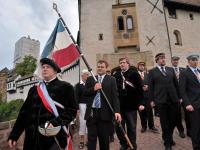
x,y
176,72
197,74
163,71
97,98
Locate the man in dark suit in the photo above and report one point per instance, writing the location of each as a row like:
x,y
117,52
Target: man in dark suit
x,y
178,70
98,114
146,116
190,92
164,92
131,96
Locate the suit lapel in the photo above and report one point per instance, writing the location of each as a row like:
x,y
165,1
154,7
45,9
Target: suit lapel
x,y
194,77
104,80
158,70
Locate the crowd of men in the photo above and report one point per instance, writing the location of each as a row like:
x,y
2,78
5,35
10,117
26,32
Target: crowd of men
x,y
170,90
109,102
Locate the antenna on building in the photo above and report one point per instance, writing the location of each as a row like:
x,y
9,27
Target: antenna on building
x,y
167,28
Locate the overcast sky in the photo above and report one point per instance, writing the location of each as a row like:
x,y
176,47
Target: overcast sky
x,y
31,17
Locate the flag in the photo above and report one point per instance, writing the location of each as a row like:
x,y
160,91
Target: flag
x,y
60,47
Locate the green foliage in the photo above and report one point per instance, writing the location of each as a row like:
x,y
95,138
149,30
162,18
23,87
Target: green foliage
x,y
26,67
9,111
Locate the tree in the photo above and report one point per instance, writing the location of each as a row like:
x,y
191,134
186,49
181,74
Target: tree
x,y
26,67
9,111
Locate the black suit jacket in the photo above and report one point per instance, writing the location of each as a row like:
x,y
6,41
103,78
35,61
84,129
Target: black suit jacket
x,y
130,97
145,82
109,87
33,113
190,88
181,70
162,88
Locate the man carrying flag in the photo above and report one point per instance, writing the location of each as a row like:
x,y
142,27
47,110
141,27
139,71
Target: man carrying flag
x,y
48,105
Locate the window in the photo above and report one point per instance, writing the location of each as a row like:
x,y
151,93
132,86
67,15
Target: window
x,y
172,12
120,22
129,22
191,16
101,36
178,39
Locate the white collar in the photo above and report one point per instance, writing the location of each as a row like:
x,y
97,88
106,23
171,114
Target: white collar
x,y
102,77
159,67
81,82
193,68
175,68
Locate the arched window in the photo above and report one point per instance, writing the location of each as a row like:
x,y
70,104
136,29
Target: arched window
x,y
120,22
129,22
178,38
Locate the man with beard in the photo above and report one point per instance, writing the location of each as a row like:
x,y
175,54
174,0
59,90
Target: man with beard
x,y
164,92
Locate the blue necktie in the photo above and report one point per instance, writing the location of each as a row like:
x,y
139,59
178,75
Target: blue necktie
x,y
97,98
197,74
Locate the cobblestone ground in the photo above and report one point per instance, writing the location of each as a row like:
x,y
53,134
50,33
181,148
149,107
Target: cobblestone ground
x,y
149,140
145,141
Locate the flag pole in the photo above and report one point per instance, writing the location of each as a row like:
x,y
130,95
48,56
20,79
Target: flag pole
x,y
90,70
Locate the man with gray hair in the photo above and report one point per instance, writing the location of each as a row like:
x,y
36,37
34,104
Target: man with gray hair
x,y
82,100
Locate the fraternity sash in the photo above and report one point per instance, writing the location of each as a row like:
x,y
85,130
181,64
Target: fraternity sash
x,y
50,105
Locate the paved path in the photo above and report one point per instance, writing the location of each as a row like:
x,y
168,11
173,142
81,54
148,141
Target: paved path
x,y
149,140
145,141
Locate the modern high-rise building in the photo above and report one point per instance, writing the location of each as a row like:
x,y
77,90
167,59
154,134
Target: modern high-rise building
x,y
26,46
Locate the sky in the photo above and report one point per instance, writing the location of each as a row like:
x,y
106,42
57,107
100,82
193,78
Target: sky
x,y
35,18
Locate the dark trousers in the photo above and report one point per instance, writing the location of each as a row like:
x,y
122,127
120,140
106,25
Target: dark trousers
x,y
179,119
146,117
129,119
187,120
195,128
98,128
168,120
112,131
156,111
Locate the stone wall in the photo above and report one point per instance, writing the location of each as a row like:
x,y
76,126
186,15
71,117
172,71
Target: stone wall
x,y
5,128
3,84
96,18
135,57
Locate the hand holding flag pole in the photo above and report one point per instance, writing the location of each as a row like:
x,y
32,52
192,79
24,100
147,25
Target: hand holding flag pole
x,y
90,70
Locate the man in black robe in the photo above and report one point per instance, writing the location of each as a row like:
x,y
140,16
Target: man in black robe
x,y
34,113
